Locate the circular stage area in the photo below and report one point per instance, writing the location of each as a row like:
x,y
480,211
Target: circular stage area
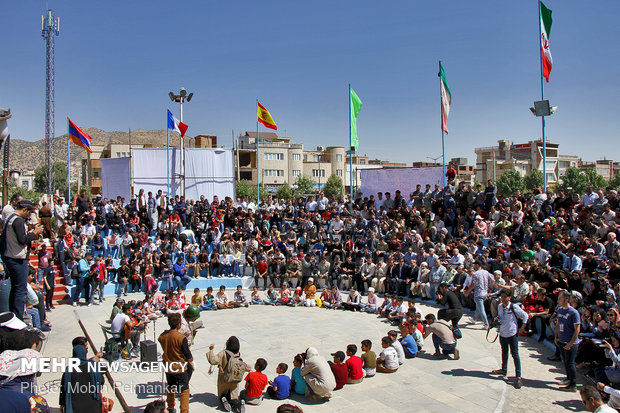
x,y
277,334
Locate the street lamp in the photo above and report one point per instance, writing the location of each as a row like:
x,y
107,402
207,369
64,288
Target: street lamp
x,y
541,109
434,159
180,98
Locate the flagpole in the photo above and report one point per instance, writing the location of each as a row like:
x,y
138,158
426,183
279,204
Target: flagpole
x,y
257,163
68,164
542,97
350,150
443,144
167,158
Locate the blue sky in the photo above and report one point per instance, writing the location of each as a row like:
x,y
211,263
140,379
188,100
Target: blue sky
x,y
117,60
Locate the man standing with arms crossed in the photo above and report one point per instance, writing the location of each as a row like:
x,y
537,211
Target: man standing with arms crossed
x,y
508,315
567,338
176,350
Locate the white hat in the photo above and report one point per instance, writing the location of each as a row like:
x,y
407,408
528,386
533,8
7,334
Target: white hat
x,y
590,251
9,320
310,279
478,217
371,290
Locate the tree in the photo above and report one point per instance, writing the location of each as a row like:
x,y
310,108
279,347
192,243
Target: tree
x,y
243,189
574,180
284,192
533,180
595,179
509,182
304,186
615,182
59,182
333,188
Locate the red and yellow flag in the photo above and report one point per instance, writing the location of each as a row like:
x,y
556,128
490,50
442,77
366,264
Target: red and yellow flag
x,y
265,118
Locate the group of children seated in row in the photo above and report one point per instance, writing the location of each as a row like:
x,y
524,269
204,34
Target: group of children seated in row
x,y
391,307
347,368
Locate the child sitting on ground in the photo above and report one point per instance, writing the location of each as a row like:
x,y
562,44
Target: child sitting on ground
x,y
324,296
335,299
372,304
285,294
196,298
369,359
386,306
387,362
221,299
393,335
408,342
297,299
354,301
397,315
354,365
208,301
240,298
280,387
255,383
255,297
340,370
272,296
310,291
298,383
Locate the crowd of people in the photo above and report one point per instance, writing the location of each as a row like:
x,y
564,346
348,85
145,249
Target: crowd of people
x,y
553,256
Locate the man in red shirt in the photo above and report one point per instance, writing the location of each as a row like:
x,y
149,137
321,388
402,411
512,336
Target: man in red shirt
x,y
98,275
255,383
262,273
354,365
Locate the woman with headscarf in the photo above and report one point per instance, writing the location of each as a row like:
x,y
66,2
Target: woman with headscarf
x,y
318,375
86,378
227,389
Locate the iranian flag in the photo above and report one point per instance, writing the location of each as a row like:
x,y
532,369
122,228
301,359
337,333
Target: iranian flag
x,y
446,99
545,32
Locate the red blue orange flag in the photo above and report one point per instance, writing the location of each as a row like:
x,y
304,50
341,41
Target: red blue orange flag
x,y
80,138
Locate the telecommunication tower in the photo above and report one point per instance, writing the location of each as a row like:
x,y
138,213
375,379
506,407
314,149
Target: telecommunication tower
x,y
50,28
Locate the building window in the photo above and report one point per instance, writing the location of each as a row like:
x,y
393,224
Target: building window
x,y
316,173
318,158
296,157
338,172
96,174
274,172
305,157
118,154
274,156
338,158
25,184
296,172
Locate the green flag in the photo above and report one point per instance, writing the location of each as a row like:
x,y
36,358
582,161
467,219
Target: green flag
x,y
355,105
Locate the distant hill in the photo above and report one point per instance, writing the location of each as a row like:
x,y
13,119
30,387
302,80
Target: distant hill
x,y
29,155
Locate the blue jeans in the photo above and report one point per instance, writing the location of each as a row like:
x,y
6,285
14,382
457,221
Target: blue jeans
x,y
439,345
36,318
182,281
81,285
480,310
513,343
42,272
18,273
568,358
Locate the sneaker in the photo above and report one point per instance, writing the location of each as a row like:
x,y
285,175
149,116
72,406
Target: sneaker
x,y
499,372
518,383
90,304
74,304
569,388
242,406
226,404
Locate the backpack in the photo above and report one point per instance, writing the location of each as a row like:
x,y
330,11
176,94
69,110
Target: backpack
x,y
235,369
8,223
519,321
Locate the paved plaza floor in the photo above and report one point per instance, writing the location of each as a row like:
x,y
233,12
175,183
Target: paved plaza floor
x,y
278,333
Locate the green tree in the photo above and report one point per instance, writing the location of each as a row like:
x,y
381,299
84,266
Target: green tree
x,y
59,182
304,186
615,182
334,187
574,180
533,180
595,179
284,191
244,188
509,182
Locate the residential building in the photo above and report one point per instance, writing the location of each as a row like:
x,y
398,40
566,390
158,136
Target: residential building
x,y
607,168
281,160
24,178
493,161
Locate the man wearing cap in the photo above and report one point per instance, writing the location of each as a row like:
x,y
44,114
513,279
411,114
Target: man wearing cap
x,y
14,246
10,323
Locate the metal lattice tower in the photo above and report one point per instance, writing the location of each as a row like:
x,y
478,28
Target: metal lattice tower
x,y
50,28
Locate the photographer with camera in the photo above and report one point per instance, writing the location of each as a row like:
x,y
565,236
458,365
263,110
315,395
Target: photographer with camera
x,y
454,310
443,337
508,315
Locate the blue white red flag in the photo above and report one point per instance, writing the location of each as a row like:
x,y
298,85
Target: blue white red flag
x,y
175,125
